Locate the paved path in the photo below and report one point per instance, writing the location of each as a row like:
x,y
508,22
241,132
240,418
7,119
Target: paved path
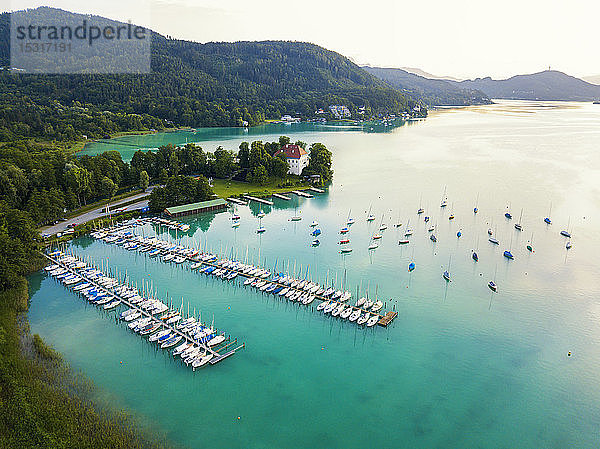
x,y
97,213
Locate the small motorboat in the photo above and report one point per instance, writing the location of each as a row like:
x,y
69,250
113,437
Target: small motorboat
x,y
493,240
565,234
508,255
344,241
492,285
403,242
569,245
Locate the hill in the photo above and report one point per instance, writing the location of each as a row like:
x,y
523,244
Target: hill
x,y
430,91
546,85
193,84
431,76
594,79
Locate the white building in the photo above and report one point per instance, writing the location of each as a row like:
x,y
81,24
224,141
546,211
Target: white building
x,y
296,157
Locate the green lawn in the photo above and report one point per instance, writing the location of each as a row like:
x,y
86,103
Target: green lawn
x,y
224,188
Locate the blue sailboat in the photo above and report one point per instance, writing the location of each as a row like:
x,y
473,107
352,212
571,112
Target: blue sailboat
x,y
547,219
508,255
411,266
316,232
475,256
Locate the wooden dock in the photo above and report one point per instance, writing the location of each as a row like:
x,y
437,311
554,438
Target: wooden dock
x,y
387,318
237,201
281,197
314,189
301,193
258,200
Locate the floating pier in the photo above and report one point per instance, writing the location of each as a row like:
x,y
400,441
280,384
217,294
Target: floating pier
x,y
281,197
301,193
258,200
315,189
237,201
387,318
55,258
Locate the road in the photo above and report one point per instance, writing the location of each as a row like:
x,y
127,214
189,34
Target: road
x,y
97,213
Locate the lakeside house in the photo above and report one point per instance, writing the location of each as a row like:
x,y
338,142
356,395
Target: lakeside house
x,y
340,111
296,157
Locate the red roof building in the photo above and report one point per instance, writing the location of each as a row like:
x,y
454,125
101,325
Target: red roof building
x,y
296,156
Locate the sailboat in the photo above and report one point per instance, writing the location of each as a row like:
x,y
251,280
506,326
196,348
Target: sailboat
x,y
451,216
409,231
398,223
260,229
566,233
261,214
529,245
382,226
373,245
458,234
507,213
507,253
420,210
569,245
314,223
474,255
519,226
492,239
547,219
411,266
476,209
296,217
444,202
446,274
370,216
492,284
349,220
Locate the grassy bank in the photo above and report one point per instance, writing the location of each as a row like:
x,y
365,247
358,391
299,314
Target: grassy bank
x,y
46,405
224,188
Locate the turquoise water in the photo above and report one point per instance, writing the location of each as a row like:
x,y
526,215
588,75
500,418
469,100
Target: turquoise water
x,y
230,138
459,367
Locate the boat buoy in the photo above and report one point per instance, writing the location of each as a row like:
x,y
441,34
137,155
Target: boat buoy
x,y
239,417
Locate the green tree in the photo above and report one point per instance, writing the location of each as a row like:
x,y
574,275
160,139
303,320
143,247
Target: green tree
x,y
144,181
258,175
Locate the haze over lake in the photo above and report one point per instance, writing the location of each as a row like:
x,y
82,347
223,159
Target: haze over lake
x,y
459,367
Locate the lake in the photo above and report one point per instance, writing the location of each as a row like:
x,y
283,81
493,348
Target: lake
x,y
459,367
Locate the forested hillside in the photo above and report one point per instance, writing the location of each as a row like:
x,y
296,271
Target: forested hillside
x,y
191,84
432,92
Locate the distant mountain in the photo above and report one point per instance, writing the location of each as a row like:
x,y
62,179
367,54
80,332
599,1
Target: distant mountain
x,y
430,91
546,85
424,74
594,79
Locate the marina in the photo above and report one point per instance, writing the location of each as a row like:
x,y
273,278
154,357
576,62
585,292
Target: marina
x,y
203,341
461,362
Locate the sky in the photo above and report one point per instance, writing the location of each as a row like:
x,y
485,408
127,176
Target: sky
x,y
459,38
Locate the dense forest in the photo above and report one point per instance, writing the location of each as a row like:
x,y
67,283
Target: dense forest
x,y
190,84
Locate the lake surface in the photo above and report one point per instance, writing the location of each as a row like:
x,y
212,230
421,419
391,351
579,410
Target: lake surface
x,y
459,367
